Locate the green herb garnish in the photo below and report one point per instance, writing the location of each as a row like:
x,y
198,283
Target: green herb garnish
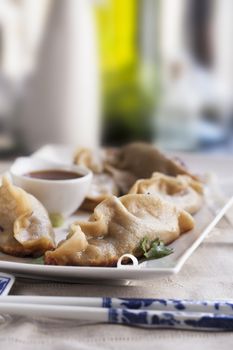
x,y
155,249
57,220
39,261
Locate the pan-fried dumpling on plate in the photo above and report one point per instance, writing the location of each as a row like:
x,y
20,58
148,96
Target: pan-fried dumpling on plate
x,y
25,228
123,179
116,170
143,159
182,190
117,227
102,187
103,184
90,159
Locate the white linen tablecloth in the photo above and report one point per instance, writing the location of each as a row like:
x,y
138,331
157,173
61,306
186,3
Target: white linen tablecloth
x,y
208,274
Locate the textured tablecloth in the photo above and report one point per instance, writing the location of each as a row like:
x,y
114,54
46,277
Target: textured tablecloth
x,y
208,274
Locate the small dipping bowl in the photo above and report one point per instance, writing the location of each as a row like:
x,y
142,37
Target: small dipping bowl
x,y
60,197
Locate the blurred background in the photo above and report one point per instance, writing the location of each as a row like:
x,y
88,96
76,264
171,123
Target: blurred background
x,y
106,72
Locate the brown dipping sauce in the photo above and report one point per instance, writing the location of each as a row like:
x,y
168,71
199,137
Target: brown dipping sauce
x,y
53,174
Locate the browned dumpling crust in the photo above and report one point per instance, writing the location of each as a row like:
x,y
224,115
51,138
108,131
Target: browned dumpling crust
x,y
86,157
25,228
103,185
181,190
143,159
117,227
122,167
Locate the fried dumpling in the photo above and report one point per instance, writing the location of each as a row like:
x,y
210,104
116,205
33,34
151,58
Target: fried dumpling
x,y
89,159
122,167
103,184
182,190
143,159
102,187
123,179
25,228
117,227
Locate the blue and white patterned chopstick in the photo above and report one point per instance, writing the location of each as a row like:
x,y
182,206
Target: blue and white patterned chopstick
x,y
207,306
172,319
153,313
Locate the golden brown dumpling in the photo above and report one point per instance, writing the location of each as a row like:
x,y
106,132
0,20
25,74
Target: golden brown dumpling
x,y
89,159
143,159
181,190
117,227
122,167
102,187
25,228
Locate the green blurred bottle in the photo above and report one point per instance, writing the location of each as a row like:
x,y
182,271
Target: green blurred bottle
x,y
127,31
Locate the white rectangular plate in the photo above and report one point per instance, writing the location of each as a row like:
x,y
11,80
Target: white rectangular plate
x,y
206,219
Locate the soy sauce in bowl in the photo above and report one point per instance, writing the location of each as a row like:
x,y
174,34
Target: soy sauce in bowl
x,y
53,174
61,188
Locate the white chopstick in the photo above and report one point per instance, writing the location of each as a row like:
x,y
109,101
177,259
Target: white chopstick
x,y
50,300
132,317
57,311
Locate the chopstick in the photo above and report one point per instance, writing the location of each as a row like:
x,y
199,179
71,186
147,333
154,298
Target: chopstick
x,y
153,313
141,318
209,306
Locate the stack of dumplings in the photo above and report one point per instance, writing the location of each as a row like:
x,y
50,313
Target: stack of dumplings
x,y
159,196
137,193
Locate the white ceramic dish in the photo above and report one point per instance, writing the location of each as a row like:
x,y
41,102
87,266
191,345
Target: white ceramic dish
x,y
206,219
62,197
